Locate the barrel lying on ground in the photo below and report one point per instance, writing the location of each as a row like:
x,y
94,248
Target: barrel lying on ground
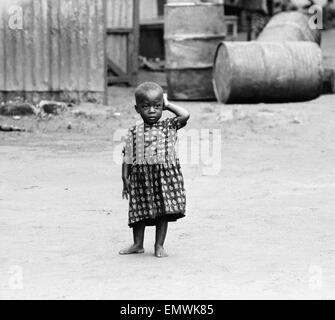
x,y
250,72
192,33
290,26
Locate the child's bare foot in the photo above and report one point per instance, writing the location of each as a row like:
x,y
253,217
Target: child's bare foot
x,y
160,252
134,249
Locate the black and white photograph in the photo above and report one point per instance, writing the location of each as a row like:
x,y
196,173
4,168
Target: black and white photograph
x,y
159,150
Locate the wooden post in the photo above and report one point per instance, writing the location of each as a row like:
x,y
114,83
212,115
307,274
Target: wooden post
x,y
105,54
249,26
136,39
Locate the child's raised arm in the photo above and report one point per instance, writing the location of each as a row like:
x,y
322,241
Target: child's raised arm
x,y
182,114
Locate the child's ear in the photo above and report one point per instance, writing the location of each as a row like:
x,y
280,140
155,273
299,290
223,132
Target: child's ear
x,y
136,108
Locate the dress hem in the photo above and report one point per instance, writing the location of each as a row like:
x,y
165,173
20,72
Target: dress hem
x,y
149,222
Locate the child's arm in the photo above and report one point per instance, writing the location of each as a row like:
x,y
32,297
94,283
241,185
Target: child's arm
x,y
125,178
182,114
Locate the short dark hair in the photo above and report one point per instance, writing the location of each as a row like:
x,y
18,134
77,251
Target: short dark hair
x,y
145,87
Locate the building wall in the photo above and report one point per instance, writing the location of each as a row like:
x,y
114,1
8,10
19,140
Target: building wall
x,y
119,15
58,52
148,10
122,40
151,9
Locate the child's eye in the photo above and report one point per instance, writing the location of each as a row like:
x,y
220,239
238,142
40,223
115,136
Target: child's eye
x,y
147,107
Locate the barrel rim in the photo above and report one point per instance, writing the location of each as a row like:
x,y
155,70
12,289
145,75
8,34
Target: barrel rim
x,y
204,67
192,4
216,92
195,36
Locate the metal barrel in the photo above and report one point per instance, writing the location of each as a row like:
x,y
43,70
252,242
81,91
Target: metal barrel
x,y
251,72
290,26
192,33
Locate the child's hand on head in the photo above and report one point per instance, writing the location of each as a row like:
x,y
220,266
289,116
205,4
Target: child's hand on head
x,y
165,100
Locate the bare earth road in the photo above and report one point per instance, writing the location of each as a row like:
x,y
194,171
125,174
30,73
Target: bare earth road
x,y
262,227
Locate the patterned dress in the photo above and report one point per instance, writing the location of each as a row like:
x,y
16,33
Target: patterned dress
x,y
156,181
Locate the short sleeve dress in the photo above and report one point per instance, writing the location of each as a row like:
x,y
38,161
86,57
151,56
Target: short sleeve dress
x,y
156,180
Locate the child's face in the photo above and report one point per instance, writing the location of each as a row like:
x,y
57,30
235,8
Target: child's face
x,y
150,107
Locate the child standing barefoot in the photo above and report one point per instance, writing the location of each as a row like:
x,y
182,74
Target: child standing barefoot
x,y
152,179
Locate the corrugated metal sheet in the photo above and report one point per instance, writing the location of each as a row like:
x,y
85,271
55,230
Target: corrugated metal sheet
x,y
61,47
117,48
120,17
120,13
148,10
196,1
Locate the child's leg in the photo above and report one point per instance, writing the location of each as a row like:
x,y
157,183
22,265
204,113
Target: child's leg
x,y
138,234
161,230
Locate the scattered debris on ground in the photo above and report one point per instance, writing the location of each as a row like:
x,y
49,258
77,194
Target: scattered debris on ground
x,y
17,108
52,107
151,64
7,128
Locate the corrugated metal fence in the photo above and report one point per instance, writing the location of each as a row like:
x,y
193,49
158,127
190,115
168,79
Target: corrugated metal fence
x,y
122,40
59,52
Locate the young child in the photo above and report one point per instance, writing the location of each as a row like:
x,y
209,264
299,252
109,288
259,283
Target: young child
x,y
152,179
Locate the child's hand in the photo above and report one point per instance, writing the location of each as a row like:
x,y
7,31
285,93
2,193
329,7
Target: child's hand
x,y
165,101
126,189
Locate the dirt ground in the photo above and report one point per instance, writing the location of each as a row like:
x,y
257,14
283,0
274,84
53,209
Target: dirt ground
x,y
261,228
